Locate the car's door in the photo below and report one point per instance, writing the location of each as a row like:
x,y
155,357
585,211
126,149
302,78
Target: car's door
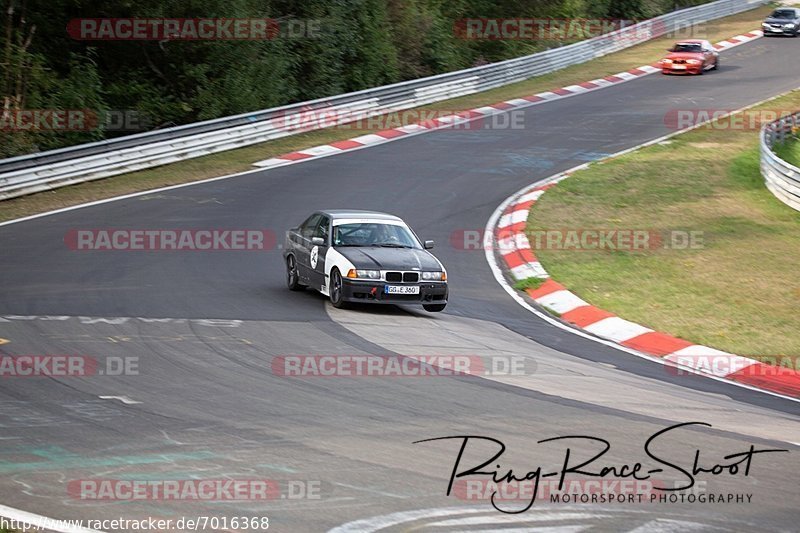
x,y
302,246
320,242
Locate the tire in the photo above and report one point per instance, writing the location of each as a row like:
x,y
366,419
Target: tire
x,y
292,276
434,308
716,65
336,290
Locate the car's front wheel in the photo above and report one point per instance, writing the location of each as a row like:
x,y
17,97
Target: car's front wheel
x,y
292,276
434,308
336,289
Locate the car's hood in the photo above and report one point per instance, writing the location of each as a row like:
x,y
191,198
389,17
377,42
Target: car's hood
x,y
771,20
378,258
684,55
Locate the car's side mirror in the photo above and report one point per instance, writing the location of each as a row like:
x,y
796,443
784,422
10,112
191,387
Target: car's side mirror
x,y
429,245
318,241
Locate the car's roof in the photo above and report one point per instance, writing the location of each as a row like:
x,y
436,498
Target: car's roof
x,y
357,213
691,41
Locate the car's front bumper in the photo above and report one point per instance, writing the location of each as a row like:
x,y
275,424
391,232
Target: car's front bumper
x,y
690,69
430,292
778,31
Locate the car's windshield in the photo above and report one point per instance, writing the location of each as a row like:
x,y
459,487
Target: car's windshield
x,y
782,14
373,234
687,47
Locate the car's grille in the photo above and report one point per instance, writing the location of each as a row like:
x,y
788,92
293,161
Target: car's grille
x,y
406,277
679,61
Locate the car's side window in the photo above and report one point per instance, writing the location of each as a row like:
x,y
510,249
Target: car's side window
x,y
308,227
322,228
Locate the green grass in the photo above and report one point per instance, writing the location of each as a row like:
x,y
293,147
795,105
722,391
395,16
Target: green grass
x,y
530,283
737,291
789,151
242,159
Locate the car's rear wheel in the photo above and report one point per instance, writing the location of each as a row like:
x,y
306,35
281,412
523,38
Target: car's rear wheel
x,y
434,308
336,289
292,276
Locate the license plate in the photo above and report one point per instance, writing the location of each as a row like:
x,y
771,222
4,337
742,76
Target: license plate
x,y
401,289
679,67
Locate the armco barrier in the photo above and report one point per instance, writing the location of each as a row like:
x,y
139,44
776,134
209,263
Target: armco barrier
x,y
781,178
57,168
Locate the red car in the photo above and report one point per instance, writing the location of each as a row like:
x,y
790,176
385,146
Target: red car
x,y
693,56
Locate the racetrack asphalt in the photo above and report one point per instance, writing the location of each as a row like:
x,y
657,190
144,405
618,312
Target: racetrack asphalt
x,y
210,405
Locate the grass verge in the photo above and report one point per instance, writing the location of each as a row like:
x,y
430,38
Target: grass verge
x,y
737,291
789,151
240,160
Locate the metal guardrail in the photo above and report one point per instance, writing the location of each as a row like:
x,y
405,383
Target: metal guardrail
x,y
57,168
781,178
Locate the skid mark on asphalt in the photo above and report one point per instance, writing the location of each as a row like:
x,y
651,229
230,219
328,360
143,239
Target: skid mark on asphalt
x,y
119,320
172,197
19,414
117,339
566,519
54,458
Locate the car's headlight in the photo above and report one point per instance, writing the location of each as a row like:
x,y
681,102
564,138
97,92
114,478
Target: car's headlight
x,y
666,61
364,274
790,25
694,61
434,276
